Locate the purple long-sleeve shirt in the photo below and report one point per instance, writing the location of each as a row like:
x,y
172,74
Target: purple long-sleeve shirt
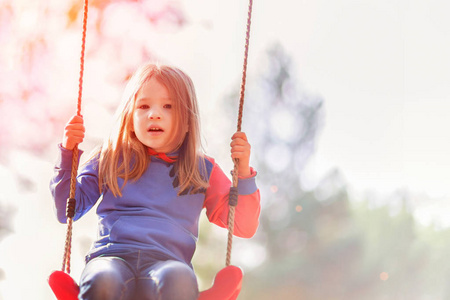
x,y
150,215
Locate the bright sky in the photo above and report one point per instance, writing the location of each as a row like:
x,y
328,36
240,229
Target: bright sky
x,y
383,69
381,66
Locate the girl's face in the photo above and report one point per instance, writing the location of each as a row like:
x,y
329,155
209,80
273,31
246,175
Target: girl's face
x,y
154,116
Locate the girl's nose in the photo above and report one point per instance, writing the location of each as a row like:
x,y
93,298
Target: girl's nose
x,y
154,114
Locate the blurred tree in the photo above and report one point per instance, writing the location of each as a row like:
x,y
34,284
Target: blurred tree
x,y
317,244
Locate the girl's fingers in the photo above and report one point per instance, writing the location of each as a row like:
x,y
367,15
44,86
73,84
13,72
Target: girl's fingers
x,y
237,147
75,128
240,135
243,149
75,125
241,152
239,155
74,132
76,119
239,141
240,149
69,129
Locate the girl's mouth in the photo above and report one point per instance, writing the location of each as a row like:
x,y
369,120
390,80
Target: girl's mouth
x,y
155,129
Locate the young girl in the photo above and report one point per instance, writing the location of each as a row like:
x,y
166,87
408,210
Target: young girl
x,y
152,181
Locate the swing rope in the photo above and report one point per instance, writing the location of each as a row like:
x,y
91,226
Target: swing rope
x,y
70,212
71,202
233,198
230,278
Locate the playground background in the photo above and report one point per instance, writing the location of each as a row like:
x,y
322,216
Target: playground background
x,y
347,107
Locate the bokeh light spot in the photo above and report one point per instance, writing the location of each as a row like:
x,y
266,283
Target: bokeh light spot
x,y
274,189
384,276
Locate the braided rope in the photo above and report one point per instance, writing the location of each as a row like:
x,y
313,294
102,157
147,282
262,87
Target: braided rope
x,y
83,47
233,202
71,201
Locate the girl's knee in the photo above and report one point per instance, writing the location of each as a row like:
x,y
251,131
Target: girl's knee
x,y
177,281
105,280
100,286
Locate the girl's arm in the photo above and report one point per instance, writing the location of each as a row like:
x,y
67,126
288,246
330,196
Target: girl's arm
x,y
87,191
248,207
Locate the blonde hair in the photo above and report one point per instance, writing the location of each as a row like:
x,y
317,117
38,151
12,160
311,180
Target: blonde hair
x,y
124,156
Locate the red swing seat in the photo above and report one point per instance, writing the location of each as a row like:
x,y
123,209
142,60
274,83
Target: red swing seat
x,y
226,286
228,281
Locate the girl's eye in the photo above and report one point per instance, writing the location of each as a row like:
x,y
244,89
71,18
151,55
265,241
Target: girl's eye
x,y
168,106
143,106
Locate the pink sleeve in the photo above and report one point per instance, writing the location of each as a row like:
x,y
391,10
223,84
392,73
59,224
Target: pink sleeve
x,y
248,208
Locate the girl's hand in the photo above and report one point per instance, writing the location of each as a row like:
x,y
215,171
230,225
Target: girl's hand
x,y
73,132
240,149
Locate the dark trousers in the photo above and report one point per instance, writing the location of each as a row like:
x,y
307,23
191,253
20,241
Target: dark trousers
x,y
135,276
